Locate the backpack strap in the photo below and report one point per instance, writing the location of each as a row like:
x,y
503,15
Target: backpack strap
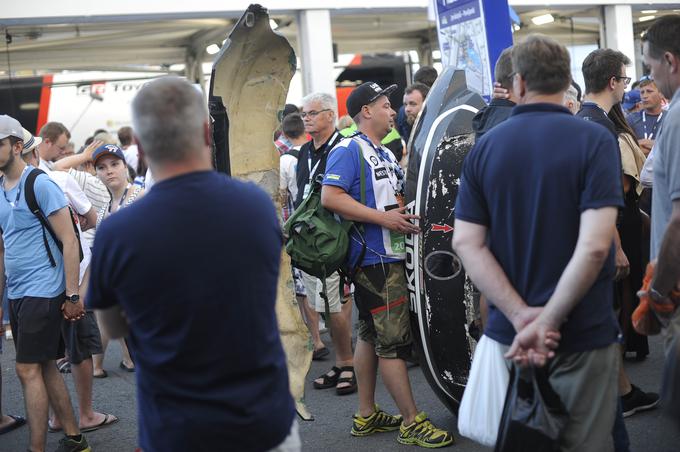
x,y
32,203
294,152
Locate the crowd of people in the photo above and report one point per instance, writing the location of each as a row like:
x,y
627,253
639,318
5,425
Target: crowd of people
x,y
565,201
58,199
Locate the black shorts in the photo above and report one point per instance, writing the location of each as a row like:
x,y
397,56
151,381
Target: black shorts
x,y
36,327
82,338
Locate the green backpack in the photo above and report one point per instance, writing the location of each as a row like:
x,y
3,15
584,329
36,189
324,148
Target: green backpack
x,y
316,241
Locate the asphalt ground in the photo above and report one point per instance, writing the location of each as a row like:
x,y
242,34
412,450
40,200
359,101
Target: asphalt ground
x,y
649,432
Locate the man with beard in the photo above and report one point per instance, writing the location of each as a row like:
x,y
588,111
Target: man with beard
x,y
42,293
414,98
384,330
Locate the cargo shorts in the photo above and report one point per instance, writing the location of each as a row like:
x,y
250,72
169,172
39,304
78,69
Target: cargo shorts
x,y
382,301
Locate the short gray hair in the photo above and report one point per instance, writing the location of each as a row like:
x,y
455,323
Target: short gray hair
x,y
325,100
168,116
571,94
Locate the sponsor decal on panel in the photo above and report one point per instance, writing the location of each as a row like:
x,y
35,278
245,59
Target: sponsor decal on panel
x,y
411,263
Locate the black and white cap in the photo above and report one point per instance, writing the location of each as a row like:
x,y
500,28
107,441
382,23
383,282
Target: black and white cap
x,y
365,94
30,142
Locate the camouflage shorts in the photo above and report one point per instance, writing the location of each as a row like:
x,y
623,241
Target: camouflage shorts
x,y
382,300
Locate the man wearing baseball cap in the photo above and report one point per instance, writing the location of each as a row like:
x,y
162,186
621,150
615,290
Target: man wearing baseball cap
x,y
385,338
42,293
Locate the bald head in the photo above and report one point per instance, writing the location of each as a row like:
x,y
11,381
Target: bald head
x,y
169,117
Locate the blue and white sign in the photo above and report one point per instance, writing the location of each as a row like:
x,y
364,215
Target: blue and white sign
x,y
472,34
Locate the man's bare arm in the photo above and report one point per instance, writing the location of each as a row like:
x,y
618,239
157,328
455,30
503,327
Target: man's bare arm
x,y
668,264
89,220
339,201
75,160
63,228
469,242
596,233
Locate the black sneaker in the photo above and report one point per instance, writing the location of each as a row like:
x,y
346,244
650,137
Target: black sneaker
x,y
67,444
637,400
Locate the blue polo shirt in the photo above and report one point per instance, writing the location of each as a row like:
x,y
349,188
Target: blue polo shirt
x,y
528,180
194,264
27,266
645,125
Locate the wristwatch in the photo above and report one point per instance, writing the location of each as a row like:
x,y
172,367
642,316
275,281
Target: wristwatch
x,y
655,294
75,298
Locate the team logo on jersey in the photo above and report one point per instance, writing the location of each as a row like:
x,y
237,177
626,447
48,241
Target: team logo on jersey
x,y
380,173
374,160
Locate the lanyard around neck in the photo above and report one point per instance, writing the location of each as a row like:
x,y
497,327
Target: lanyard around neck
x,y
392,168
4,192
122,198
329,144
650,136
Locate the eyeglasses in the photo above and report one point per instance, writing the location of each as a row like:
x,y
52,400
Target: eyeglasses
x,y
621,78
313,113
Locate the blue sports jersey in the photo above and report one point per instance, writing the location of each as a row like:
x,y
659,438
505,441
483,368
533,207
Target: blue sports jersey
x,y
384,185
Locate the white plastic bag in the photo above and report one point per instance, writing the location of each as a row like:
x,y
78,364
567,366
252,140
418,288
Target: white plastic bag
x,y
482,406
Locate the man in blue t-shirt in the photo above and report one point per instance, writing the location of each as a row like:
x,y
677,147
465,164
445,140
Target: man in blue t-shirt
x,y
189,272
380,282
535,216
42,291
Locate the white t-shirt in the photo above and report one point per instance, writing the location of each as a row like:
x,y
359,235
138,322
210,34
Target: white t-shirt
x,y
78,201
96,193
287,173
647,173
131,156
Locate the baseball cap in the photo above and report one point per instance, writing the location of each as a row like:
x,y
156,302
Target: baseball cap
x,y
365,94
30,142
10,127
107,149
630,99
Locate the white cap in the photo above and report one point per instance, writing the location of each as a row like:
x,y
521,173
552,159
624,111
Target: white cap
x,y
10,127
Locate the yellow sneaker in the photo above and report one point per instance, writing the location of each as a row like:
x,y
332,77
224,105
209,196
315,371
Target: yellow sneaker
x,y
377,422
424,434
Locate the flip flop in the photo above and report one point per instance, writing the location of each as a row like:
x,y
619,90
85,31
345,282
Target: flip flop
x,y
101,375
351,380
126,368
320,353
109,419
18,422
328,380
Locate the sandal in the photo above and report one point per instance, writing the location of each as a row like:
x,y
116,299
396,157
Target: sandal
x,y
64,366
352,387
320,353
109,419
329,380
